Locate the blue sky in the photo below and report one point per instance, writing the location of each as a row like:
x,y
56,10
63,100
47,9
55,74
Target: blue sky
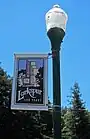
x,y
22,29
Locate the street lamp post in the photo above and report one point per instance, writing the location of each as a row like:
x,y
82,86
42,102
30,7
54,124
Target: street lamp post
x,y
56,20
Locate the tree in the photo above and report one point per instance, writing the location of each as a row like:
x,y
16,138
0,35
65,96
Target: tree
x,y
76,119
5,93
63,112
5,88
46,122
67,130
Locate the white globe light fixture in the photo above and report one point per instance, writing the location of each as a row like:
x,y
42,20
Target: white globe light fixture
x,y
56,17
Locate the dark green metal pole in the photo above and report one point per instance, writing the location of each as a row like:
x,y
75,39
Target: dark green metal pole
x,y
56,36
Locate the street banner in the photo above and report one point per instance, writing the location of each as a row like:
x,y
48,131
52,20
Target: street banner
x,y
29,88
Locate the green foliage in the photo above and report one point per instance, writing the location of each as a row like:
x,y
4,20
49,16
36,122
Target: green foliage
x,y
5,88
34,124
76,119
46,120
